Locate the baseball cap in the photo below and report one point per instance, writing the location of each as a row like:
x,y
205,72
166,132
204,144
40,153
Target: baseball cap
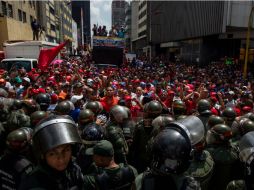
x,y
18,80
102,148
231,92
76,98
26,79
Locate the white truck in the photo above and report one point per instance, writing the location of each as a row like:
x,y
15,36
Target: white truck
x,y
25,54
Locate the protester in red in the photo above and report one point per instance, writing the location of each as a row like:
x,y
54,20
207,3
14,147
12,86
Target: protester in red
x,y
135,109
109,100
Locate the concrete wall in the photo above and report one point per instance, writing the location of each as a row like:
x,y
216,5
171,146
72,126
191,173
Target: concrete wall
x,y
14,30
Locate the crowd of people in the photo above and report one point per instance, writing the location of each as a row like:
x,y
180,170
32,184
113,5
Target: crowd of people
x,y
146,125
114,31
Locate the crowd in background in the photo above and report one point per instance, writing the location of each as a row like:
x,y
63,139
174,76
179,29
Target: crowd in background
x,y
149,89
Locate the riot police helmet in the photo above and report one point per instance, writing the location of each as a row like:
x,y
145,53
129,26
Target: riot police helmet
x,y
63,108
119,114
153,109
214,120
171,152
219,134
203,106
92,133
37,116
95,106
43,99
178,107
86,116
19,139
54,131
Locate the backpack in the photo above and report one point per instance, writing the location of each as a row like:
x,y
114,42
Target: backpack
x,y
122,180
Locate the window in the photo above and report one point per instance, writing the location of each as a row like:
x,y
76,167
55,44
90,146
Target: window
x,y
52,27
51,10
10,11
4,8
20,15
31,18
24,16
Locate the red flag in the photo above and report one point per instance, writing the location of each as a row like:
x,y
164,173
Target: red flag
x,y
48,55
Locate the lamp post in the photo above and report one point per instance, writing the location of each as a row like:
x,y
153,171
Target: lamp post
x,y
248,43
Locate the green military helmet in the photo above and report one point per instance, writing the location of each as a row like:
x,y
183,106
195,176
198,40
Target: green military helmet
x,y
229,114
181,117
153,109
249,115
119,114
95,106
86,116
160,122
19,139
219,134
37,116
246,125
63,108
214,120
30,105
16,105
203,106
179,107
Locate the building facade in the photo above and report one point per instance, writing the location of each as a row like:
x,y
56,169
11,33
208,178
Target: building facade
x,y
48,20
140,27
118,13
81,15
64,20
128,27
16,15
198,31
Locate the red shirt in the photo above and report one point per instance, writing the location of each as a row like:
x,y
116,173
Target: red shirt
x,y
108,103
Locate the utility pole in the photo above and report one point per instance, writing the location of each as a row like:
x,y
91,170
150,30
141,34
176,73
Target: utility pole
x,y
248,43
82,27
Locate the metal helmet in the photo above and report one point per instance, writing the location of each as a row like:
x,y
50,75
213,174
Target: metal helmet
x,y
171,151
246,146
86,116
30,105
95,106
54,131
219,134
178,107
160,122
192,126
37,116
229,114
19,139
203,106
245,126
153,109
43,100
214,120
16,105
181,117
249,115
3,93
92,133
63,108
119,114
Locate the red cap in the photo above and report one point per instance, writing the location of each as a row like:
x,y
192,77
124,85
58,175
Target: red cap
x,y
41,90
213,94
54,98
247,109
126,98
170,92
